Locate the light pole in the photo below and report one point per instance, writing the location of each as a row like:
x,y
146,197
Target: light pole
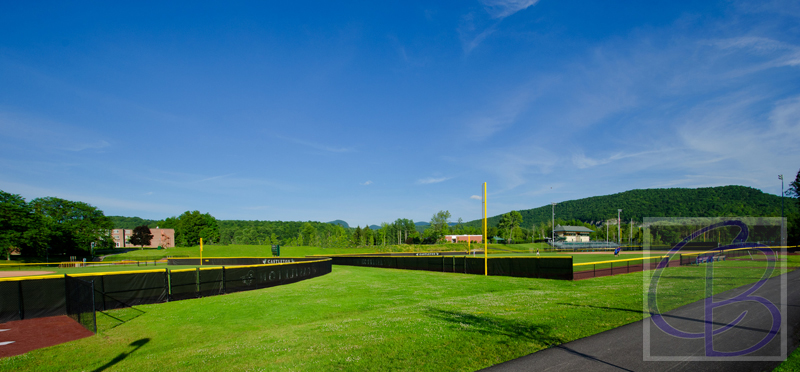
x,y
553,230
783,244
619,227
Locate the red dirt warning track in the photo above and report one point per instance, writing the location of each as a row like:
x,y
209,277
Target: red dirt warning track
x,y
9,274
32,334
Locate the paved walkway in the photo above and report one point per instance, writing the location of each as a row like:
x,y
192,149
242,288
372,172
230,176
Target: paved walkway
x,y
621,349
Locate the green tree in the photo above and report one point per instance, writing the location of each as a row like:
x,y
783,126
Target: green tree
x,y
141,236
440,223
369,236
16,218
309,233
194,225
509,222
357,236
793,211
72,226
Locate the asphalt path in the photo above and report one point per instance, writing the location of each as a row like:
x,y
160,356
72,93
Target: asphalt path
x,y
623,348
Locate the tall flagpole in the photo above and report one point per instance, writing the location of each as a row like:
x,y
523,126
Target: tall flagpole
x,y
486,240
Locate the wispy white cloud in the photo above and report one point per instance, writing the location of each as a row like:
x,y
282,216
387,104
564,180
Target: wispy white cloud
x,y
101,202
366,183
427,181
476,197
257,207
474,28
505,8
215,177
44,134
318,146
582,161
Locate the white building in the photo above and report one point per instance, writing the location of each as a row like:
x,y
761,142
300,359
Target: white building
x,y
572,233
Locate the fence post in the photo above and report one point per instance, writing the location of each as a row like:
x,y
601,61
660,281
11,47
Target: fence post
x,y
223,280
197,282
103,291
594,270
20,302
66,294
167,283
94,313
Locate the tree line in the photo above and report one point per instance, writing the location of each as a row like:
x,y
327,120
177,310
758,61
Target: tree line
x,y
50,226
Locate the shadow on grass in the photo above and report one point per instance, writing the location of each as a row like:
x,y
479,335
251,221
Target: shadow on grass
x,y
123,316
670,316
488,325
122,356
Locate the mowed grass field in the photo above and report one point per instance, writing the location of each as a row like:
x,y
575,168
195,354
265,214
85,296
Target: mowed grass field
x,y
359,319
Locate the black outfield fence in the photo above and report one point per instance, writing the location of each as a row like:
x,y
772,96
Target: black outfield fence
x,y
616,267
226,261
722,255
400,254
28,298
528,267
80,302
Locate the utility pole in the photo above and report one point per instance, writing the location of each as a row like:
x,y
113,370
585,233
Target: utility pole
x,y
553,230
619,227
783,243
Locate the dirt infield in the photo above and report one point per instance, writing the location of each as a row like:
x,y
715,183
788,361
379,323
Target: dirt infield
x,y
32,334
9,274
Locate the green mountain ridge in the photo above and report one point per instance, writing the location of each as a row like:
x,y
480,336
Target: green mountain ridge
x,y
721,201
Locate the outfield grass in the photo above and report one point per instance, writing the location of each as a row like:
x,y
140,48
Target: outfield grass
x,y
359,318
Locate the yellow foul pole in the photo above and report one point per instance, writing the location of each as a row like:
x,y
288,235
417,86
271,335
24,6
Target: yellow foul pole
x,y
485,238
201,251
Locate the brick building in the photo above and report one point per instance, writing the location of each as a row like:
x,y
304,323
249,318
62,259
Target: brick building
x,y
161,237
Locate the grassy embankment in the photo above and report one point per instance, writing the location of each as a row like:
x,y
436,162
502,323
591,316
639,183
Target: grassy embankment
x,y
370,319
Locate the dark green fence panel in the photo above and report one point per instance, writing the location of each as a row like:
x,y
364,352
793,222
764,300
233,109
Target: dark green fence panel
x,y
183,285
529,267
210,282
43,297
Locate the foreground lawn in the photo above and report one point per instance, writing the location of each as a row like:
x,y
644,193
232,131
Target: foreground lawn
x,y
368,319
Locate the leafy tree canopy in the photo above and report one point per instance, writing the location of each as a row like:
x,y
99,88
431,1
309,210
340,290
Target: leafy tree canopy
x,y
141,236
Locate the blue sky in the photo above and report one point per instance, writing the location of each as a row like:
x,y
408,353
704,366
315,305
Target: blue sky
x,y
372,111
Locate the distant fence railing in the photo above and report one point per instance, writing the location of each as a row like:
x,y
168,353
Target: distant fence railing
x,y
581,246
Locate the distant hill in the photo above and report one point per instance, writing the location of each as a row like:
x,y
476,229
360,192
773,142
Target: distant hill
x,y
674,202
121,222
340,223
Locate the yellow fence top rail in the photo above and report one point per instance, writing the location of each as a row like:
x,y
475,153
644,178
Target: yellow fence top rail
x,y
735,249
105,273
612,261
